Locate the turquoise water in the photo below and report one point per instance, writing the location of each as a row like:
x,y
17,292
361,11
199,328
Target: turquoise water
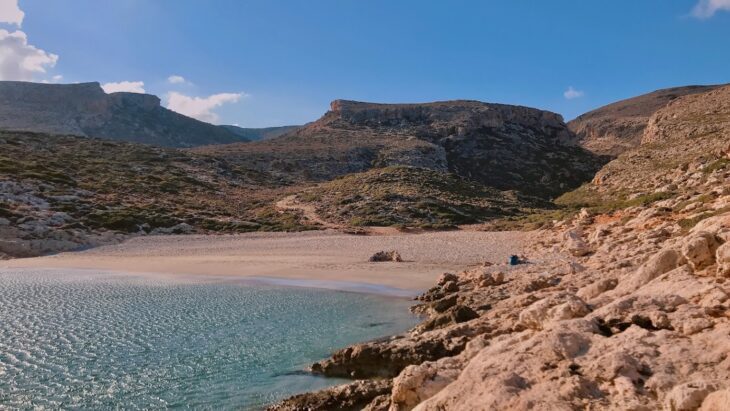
x,y
100,340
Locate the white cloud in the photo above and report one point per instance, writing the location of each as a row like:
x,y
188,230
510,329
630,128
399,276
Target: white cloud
x,y
201,108
175,79
20,60
572,93
126,86
705,9
57,78
10,12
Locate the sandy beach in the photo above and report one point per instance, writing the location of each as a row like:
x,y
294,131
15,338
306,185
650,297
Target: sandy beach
x,y
322,257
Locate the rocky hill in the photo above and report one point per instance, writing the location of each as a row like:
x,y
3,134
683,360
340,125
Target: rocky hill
x,y
619,126
500,146
413,197
61,193
86,110
256,134
624,306
683,144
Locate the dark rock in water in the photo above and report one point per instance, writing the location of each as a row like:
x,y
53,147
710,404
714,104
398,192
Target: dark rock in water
x,y
387,358
349,397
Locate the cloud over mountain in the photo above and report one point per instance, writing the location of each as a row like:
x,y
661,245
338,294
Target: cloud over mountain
x,y
201,108
126,86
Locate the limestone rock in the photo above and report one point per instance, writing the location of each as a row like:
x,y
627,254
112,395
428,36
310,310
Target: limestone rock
x,y
419,382
716,401
597,288
575,244
689,396
660,263
544,313
722,255
699,250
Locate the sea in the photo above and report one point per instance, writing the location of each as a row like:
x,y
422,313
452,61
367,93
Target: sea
x,y
82,339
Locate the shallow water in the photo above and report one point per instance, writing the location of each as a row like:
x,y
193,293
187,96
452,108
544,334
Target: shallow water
x,y
102,340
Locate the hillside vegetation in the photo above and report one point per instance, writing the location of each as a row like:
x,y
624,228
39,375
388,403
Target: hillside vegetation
x,y
63,192
412,197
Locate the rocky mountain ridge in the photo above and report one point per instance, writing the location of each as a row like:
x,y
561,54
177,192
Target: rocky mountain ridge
x,y
619,126
86,110
499,146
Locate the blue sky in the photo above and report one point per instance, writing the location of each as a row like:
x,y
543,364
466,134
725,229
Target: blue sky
x,y
282,62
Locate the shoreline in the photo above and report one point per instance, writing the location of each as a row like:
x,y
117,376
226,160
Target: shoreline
x,y
325,259
335,286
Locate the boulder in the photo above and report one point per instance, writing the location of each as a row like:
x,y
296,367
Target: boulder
x,y
384,256
543,313
722,257
419,382
492,279
688,396
444,304
717,401
575,244
699,250
450,287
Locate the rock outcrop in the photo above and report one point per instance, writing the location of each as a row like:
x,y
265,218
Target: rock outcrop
x,y
86,110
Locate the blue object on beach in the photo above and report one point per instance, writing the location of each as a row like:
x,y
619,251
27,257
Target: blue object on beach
x,y
514,260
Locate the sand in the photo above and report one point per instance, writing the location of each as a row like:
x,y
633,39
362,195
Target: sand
x,y
322,258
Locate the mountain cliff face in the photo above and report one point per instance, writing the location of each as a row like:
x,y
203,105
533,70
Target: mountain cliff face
x,y
500,146
86,110
619,126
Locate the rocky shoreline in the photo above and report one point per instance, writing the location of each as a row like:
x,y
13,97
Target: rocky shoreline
x,y
622,310
622,306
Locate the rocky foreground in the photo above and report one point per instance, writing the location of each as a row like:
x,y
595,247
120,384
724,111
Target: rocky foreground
x,y
624,306
625,312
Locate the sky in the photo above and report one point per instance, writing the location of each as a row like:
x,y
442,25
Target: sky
x,y
258,63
